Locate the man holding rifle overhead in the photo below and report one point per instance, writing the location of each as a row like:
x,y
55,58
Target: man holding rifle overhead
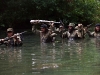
x,y
12,39
46,35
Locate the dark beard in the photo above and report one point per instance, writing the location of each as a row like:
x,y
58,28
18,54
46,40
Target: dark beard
x,y
97,31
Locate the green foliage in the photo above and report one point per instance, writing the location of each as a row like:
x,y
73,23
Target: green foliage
x,y
17,12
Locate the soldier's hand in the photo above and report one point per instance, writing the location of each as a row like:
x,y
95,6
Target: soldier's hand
x,y
1,40
53,34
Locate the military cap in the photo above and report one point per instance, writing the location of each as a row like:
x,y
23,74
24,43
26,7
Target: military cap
x,y
44,26
10,30
71,24
98,24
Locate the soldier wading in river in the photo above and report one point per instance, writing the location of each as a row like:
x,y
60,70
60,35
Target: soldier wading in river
x,y
72,33
13,41
96,32
46,35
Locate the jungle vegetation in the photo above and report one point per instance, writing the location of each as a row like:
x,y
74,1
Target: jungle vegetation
x,y
18,13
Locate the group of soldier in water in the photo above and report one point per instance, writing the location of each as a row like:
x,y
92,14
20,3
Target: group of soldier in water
x,y
73,33
48,34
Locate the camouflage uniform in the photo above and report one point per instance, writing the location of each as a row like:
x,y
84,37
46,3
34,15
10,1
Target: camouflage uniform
x,y
72,35
80,30
61,31
52,27
16,41
96,33
47,36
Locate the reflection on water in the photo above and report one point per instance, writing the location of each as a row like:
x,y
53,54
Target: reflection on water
x,y
9,58
66,58
97,41
11,54
46,59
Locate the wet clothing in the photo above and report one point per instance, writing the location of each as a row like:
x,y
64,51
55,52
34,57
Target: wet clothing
x,y
47,37
75,34
52,28
13,41
80,33
61,32
94,34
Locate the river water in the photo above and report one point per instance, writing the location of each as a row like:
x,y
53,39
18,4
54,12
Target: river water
x,y
59,58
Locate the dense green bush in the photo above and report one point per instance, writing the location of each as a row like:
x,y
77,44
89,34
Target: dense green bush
x,y
16,13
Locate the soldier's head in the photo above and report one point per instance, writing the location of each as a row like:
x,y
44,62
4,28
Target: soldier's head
x,y
10,32
61,27
44,28
97,27
80,25
71,26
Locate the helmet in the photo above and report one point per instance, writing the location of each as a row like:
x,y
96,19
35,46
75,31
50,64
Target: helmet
x,y
44,26
71,24
98,24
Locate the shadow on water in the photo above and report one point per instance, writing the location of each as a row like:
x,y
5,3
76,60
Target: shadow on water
x,y
64,58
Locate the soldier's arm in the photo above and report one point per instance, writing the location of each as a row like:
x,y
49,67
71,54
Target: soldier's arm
x,y
1,41
91,34
18,40
64,35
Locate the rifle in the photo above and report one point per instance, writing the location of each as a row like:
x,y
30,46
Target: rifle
x,y
7,38
61,22
42,21
89,25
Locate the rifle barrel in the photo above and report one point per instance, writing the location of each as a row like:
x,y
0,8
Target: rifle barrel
x,y
7,38
43,21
